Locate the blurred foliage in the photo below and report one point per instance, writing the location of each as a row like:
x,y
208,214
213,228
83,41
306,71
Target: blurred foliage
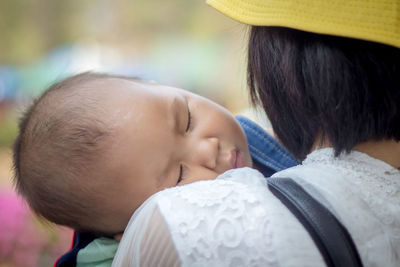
x,y
43,25
179,42
8,132
40,25
8,129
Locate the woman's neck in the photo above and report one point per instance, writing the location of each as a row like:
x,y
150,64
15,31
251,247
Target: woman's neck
x,y
386,150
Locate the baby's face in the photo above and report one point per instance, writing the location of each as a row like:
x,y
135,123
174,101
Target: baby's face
x,y
164,137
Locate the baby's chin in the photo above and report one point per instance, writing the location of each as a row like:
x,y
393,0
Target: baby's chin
x,y
117,226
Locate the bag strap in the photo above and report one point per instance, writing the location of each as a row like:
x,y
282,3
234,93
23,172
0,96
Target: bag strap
x,y
330,236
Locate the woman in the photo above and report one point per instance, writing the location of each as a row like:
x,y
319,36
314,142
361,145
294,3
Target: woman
x,y
327,74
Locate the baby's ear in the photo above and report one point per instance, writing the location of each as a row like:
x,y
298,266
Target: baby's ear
x,y
118,237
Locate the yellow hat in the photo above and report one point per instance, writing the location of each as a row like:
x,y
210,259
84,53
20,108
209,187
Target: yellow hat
x,y
372,20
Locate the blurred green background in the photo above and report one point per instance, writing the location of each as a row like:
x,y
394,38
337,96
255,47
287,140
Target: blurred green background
x,y
180,43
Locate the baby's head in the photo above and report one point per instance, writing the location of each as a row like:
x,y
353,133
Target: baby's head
x,y
93,147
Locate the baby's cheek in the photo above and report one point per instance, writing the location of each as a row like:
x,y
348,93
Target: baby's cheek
x,y
207,175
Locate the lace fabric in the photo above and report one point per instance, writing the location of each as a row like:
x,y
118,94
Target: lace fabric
x,y
217,223
230,230
146,240
365,195
235,221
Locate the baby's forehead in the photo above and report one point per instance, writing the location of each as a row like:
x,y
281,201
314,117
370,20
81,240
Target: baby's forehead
x,y
106,89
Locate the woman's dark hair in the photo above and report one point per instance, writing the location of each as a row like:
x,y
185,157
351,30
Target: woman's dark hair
x,y
318,87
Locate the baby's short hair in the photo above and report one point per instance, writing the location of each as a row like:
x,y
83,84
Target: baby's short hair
x,y
61,140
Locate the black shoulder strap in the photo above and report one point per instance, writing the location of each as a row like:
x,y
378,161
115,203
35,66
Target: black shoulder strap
x,y
330,236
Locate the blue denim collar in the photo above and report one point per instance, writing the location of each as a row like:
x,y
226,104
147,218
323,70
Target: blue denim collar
x,y
268,155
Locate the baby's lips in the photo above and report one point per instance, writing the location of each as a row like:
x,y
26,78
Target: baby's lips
x,y
237,160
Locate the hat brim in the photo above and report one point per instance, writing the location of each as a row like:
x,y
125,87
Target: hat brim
x,y
373,20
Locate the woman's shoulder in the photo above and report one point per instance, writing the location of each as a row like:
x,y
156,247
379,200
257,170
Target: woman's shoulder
x,y
363,194
354,169
231,219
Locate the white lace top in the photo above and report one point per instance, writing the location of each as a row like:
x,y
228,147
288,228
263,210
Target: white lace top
x,y
236,221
